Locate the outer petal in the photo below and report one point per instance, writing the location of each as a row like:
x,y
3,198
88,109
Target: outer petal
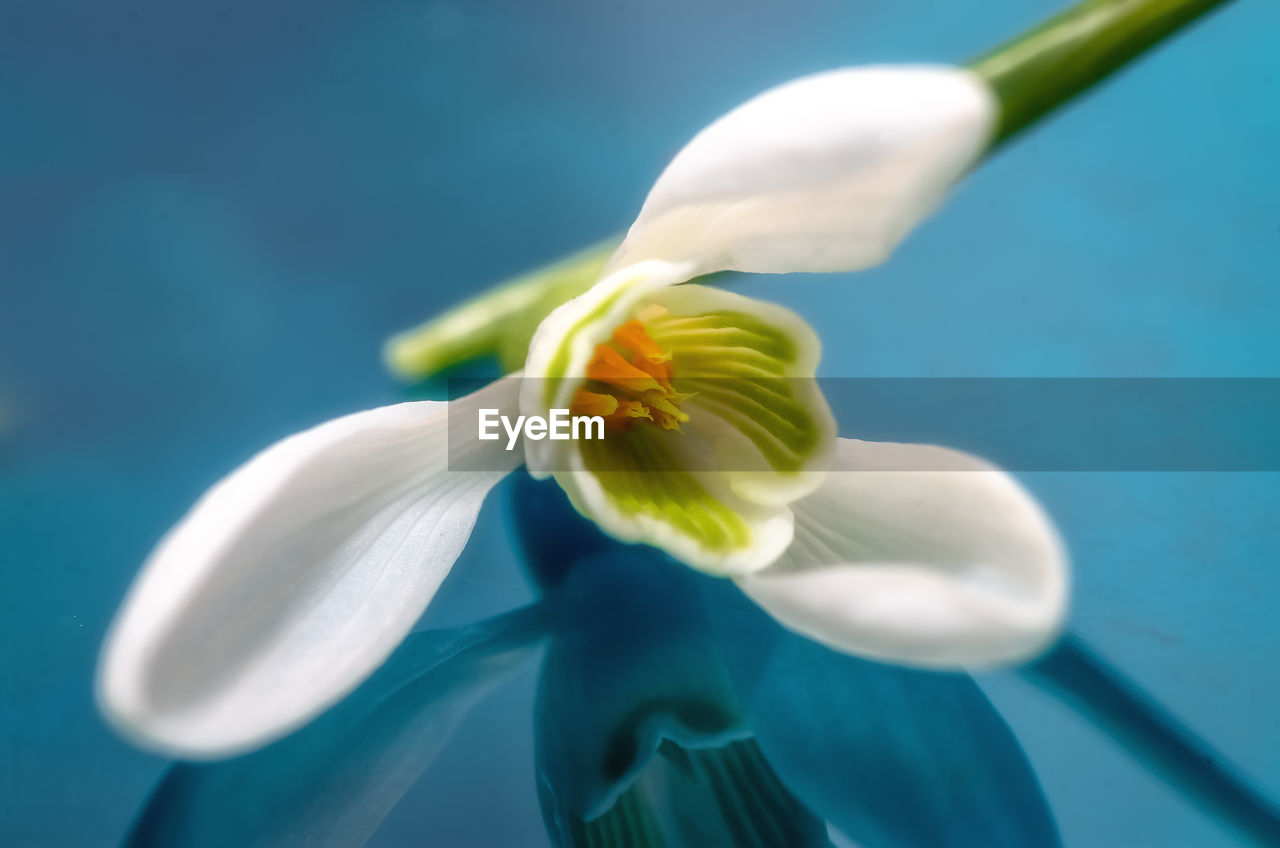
x,y
293,578
955,565
825,173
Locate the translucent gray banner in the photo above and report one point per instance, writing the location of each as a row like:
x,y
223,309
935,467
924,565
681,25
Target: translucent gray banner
x,y
1021,424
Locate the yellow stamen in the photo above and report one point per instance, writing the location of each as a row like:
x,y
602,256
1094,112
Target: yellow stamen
x,y
631,409
624,391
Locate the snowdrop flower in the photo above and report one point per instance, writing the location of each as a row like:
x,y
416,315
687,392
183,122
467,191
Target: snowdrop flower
x,y
295,577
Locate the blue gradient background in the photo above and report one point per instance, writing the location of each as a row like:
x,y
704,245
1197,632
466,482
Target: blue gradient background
x,y
212,214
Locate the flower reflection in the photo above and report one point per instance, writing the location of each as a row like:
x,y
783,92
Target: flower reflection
x,y
704,724
331,784
671,711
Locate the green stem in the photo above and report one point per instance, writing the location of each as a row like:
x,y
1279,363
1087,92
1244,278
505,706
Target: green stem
x,y
499,320
1068,54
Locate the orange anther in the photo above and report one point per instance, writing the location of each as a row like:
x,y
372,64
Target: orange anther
x,y
592,403
625,389
660,371
633,336
609,367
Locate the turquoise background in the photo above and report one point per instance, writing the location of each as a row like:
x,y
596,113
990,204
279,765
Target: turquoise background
x,y
212,214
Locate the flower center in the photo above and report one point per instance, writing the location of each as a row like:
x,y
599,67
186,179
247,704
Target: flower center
x,y
629,380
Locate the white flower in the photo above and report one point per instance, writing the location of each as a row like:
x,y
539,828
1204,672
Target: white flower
x,y
295,577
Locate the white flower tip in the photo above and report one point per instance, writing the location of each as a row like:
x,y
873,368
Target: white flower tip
x,y
941,568
134,705
828,172
294,578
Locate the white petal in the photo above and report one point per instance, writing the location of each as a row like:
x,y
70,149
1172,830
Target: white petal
x,y
766,529
294,577
825,173
798,418
952,564
566,340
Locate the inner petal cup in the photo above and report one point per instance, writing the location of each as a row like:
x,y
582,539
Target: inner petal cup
x,y
713,423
